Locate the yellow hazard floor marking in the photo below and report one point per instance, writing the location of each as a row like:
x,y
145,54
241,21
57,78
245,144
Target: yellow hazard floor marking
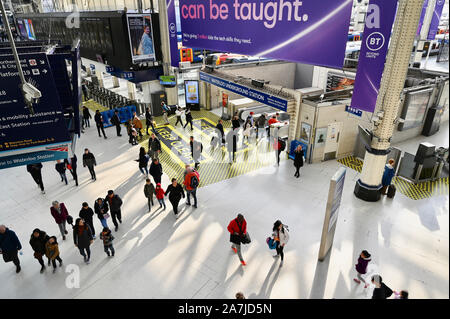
x,y
352,162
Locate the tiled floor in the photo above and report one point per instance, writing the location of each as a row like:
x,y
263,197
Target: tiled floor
x,y
160,257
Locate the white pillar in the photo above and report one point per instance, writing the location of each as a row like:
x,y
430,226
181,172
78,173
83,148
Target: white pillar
x,y
116,83
100,78
131,90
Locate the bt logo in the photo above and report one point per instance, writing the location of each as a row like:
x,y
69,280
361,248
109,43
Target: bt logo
x,y
375,41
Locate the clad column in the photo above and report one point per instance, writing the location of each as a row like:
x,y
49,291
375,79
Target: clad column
x,y
131,90
115,80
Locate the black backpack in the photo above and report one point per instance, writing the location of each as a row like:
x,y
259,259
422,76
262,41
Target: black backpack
x,y
282,145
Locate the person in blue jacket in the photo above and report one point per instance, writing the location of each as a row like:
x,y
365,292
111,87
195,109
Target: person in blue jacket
x,y
10,246
388,175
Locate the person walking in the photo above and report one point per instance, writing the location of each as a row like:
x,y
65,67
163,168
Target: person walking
x,y
281,236
154,147
149,121
221,134
149,191
232,141
361,267
107,238
101,210
260,124
298,160
247,129
52,252
196,151
143,161
166,111
156,171
279,146
188,118
388,175
72,167
37,242
86,116
237,229
82,238
60,214
90,162
175,192
10,246
99,122
137,125
61,169
35,171
114,202
235,123
191,182
87,214
159,191
179,113
381,291
270,122
115,120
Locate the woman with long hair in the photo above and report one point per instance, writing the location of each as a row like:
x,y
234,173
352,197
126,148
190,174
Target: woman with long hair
x,y
82,238
281,236
143,161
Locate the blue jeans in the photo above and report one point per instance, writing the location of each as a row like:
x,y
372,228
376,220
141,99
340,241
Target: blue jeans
x,y
88,251
194,195
109,248
104,223
162,203
63,177
142,170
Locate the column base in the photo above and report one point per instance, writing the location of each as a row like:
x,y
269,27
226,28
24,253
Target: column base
x,y
366,192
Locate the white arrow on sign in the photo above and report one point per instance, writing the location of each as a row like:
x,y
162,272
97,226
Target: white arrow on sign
x,y
44,70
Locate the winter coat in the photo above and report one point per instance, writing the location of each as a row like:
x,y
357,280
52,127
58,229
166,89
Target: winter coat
x,y
115,120
235,124
98,209
280,236
143,160
388,175
235,227
154,145
220,128
361,266
107,238
82,240
89,159
383,292
98,119
156,170
175,193
51,250
86,114
115,203
60,167
137,122
159,192
149,190
73,162
187,180
38,244
9,241
87,215
34,168
59,218
261,122
188,116
148,118
298,160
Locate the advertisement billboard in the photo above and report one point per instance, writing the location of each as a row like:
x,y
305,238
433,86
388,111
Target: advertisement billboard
x,y
173,33
22,30
191,89
140,33
435,20
290,30
29,29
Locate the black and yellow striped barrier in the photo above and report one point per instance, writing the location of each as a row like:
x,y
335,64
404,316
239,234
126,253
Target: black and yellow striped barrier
x,y
352,162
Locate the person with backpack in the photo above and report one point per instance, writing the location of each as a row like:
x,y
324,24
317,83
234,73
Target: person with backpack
x,y
99,122
82,238
61,169
361,267
188,118
35,172
175,192
90,162
381,291
101,210
279,146
37,242
149,191
87,214
298,160
107,238
159,191
281,236
60,214
196,151
237,229
115,120
52,252
156,171
114,202
191,182
388,175
10,246
143,161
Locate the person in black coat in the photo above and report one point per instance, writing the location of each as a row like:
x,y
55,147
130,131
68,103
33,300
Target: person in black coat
x,y
86,116
72,167
235,122
381,291
90,162
114,202
298,160
221,134
99,122
175,192
82,238
61,169
35,171
154,147
156,171
101,210
37,242
86,213
143,161
188,118
149,121
115,120
10,246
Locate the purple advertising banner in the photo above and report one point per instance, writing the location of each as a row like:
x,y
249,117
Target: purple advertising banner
x,y
434,25
308,31
422,16
173,41
374,47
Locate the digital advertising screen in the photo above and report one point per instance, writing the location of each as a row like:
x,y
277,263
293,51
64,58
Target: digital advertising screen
x,y
191,89
29,29
22,30
141,38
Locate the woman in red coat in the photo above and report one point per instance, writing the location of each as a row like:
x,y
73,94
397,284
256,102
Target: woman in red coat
x,y
59,213
237,229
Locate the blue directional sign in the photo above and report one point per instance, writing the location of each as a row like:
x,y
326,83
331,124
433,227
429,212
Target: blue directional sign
x,y
353,111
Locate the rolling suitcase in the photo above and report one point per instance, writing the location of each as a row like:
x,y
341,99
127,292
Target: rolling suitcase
x,y
391,191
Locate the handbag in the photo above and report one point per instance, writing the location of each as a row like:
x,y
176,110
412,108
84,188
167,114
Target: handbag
x,y
271,243
106,216
245,239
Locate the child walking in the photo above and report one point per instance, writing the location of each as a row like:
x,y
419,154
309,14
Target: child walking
x,y
107,238
361,267
160,195
52,252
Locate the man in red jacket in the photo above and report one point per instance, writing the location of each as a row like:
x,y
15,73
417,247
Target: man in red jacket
x,y
59,213
237,229
191,181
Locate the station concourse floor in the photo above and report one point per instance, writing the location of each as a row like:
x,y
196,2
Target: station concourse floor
x,y
158,256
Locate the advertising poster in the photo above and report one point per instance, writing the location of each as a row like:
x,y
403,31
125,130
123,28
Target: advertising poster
x,y
290,30
173,39
374,48
22,30
436,19
141,38
305,132
321,136
27,138
191,89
